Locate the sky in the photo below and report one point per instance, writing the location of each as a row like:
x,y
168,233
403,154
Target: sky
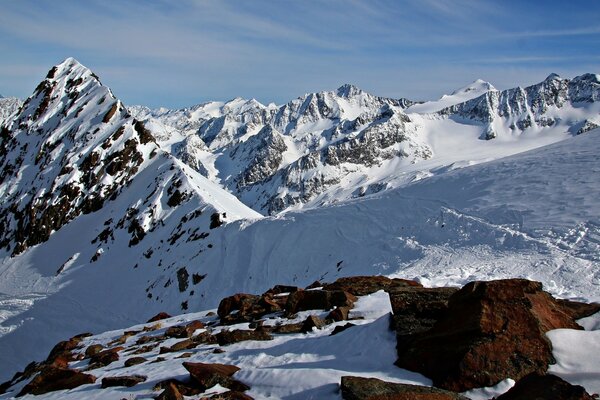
x,y
179,53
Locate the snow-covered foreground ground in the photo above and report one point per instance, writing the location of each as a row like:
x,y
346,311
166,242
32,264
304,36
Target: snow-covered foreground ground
x,y
533,215
310,366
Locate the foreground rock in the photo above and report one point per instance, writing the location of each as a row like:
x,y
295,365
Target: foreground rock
x,y
208,375
127,381
548,387
52,379
488,332
357,388
364,285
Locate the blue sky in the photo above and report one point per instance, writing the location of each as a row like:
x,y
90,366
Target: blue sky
x,y
179,53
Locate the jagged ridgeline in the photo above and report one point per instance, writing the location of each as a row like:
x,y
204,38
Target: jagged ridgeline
x,y
71,148
334,145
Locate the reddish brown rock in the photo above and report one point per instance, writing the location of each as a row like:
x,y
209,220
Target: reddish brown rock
x,y
228,337
279,289
490,331
171,392
357,388
93,349
208,375
288,328
181,345
545,387
243,307
316,299
341,328
231,395
105,357
158,317
312,321
579,310
240,302
417,309
127,380
130,362
184,331
52,379
204,337
364,285
339,314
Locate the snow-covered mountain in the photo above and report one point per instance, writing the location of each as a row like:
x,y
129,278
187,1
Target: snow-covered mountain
x,y
112,214
327,147
572,103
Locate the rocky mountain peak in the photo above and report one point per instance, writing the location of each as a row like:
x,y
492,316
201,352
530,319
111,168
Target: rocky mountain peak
x,y
348,90
552,77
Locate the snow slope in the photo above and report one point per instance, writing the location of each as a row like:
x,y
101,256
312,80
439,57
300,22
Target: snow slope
x,y
468,92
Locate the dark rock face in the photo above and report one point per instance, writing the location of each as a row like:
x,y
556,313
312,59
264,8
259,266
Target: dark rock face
x,y
304,300
545,387
357,388
364,285
130,362
185,331
51,379
312,322
416,309
127,381
228,337
490,331
171,392
158,317
208,375
105,357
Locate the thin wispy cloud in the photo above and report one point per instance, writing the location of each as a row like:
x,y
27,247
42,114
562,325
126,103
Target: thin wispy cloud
x,y
178,53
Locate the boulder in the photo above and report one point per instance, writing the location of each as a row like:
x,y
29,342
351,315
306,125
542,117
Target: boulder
x,y
181,345
288,328
316,299
339,314
312,321
51,379
128,380
231,395
93,349
243,307
130,362
171,392
358,388
228,337
417,309
364,285
184,331
209,375
105,357
158,317
490,331
545,387
341,328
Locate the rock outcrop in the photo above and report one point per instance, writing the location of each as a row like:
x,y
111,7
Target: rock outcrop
x,y
489,331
